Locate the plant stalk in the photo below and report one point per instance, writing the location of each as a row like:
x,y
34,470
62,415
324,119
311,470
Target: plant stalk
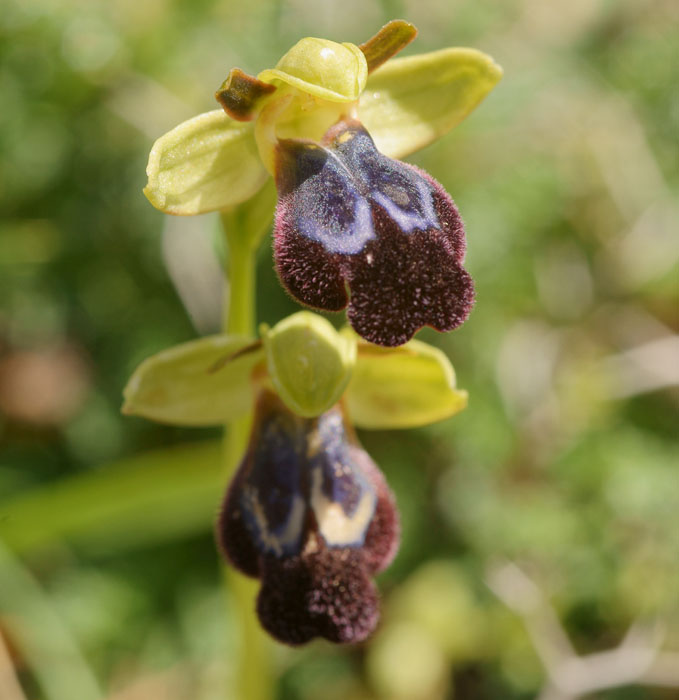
x,y
254,675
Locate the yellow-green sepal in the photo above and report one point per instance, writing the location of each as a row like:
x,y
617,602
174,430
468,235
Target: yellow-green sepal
x,y
409,102
203,382
309,362
404,387
205,164
322,68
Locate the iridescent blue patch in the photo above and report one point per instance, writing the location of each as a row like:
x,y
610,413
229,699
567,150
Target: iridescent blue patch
x,y
329,208
341,496
406,196
334,189
353,226
271,496
309,514
296,465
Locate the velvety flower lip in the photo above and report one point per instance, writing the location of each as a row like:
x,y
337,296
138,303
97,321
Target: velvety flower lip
x,y
350,217
309,513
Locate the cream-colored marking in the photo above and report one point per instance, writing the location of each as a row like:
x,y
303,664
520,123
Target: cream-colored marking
x,y
311,545
334,525
346,136
314,443
269,540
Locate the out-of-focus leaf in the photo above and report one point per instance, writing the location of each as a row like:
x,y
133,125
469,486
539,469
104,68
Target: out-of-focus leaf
x,y
151,498
41,636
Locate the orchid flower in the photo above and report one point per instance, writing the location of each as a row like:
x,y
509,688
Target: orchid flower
x,y
307,512
353,226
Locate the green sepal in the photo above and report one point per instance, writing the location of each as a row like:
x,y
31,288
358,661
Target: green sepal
x,y
409,102
207,163
404,387
203,382
321,68
309,362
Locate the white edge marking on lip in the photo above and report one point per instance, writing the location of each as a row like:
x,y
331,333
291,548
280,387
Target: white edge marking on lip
x,y
336,527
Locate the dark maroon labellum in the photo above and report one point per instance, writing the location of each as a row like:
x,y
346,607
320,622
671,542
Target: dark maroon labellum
x,y
310,514
348,216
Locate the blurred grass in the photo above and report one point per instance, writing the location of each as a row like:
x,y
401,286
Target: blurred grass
x,y
139,502
566,459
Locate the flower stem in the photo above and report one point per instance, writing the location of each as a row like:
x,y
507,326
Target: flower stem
x,y
254,676
239,306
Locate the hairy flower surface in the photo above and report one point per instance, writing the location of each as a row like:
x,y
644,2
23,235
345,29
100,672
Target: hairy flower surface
x,y
309,513
353,226
349,216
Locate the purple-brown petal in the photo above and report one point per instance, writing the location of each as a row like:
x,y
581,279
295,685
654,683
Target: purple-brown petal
x,y
348,216
403,282
384,532
305,268
323,593
405,193
393,37
241,94
320,198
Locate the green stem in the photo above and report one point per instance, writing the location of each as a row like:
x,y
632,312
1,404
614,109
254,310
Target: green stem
x,y
254,675
239,311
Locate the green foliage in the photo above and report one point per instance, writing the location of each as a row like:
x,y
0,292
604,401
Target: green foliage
x,y
565,459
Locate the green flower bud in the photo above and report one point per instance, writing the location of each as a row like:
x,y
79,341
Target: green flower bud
x,y
309,362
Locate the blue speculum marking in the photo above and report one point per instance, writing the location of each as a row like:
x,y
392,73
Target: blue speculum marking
x,y
329,207
404,194
342,482
296,465
271,499
335,188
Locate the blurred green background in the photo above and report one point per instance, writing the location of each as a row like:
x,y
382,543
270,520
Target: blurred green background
x,y
550,506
